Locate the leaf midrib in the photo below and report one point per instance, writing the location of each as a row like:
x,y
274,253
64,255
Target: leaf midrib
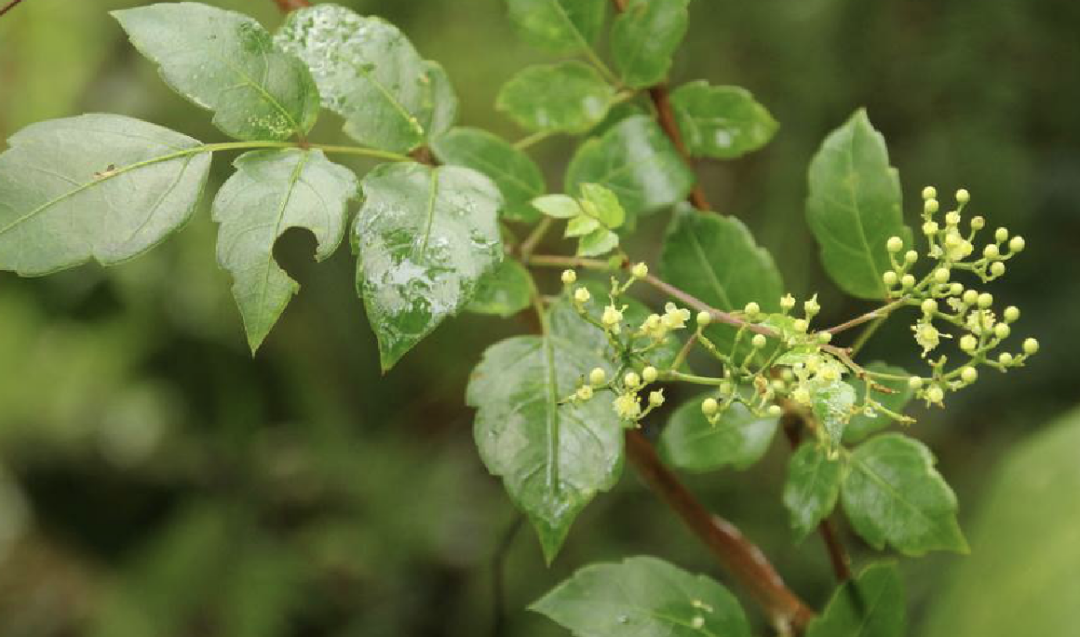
x,y
100,180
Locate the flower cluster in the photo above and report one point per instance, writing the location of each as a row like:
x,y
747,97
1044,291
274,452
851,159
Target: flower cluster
x,y
634,374
945,303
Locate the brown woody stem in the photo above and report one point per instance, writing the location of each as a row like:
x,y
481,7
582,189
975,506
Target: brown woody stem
x,y
739,556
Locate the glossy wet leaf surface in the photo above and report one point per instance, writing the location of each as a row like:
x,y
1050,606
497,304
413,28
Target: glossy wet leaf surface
x,y
812,486
560,26
854,207
892,494
552,458
873,605
515,173
568,97
722,122
369,73
737,440
426,237
102,187
636,161
645,37
643,596
271,192
226,62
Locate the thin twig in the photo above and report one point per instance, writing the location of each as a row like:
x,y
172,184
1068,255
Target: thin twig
x,y
9,6
876,313
742,558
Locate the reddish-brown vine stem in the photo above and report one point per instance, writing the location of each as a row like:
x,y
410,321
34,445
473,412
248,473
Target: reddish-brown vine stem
x,y
738,555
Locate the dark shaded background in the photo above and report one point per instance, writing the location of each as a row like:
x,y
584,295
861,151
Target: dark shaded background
x,y
155,480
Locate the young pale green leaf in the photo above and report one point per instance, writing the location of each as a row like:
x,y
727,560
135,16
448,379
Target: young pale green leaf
x,y
738,439
602,204
560,26
862,425
636,161
553,458
870,606
271,192
645,37
566,324
893,495
598,242
812,487
426,236
102,187
643,596
227,63
558,206
568,97
854,207
445,105
515,173
723,122
1021,576
717,260
832,405
369,73
580,226
503,292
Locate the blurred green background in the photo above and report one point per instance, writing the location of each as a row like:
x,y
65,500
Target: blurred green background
x,y
155,480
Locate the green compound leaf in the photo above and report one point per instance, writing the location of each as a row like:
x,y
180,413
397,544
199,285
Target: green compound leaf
x,y
636,161
271,192
503,292
515,173
862,425
893,495
870,606
426,236
568,97
831,404
552,458
560,26
102,187
567,324
1021,576
717,260
643,596
738,439
812,487
645,37
227,63
854,207
723,122
369,73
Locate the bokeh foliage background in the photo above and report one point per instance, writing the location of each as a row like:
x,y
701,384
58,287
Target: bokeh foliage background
x,y
156,480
